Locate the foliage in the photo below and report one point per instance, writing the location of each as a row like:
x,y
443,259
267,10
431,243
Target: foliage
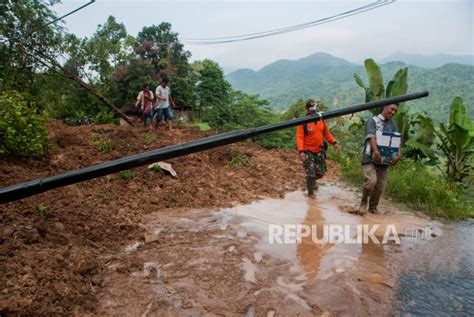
x,y
238,158
25,32
457,142
42,211
105,116
376,89
296,110
22,130
212,92
331,79
419,187
419,145
126,175
103,144
156,168
149,138
202,126
106,49
154,44
397,86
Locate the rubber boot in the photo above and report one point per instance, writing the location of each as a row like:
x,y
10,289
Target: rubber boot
x,y
363,202
310,185
373,203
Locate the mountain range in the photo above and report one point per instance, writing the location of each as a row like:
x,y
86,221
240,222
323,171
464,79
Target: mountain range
x,y
329,78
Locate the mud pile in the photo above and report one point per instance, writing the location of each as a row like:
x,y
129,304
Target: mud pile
x,y
52,244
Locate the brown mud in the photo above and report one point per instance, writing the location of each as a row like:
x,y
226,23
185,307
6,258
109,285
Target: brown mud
x,y
193,245
53,245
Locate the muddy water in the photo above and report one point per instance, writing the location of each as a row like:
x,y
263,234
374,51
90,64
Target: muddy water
x,y
429,272
203,262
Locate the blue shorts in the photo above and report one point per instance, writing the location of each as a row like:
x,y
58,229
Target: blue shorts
x,y
167,112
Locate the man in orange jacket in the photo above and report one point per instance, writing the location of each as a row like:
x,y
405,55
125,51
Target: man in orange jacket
x,y
310,144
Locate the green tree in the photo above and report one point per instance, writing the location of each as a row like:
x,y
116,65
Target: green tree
x,y
159,45
106,49
25,33
212,93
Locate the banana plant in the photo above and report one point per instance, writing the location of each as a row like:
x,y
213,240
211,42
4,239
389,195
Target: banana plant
x,y
397,86
376,89
457,142
422,137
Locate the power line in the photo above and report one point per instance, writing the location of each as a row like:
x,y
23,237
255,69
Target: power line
x,y
68,14
274,30
295,27
251,36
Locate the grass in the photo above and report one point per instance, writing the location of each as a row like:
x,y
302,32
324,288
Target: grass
x,y
149,138
239,159
156,168
203,126
42,211
126,175
104,145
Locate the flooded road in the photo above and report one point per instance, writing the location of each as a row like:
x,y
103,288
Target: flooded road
x,y
226,262
439,279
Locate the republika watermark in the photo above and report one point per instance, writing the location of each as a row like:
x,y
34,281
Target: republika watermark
x,y
332,233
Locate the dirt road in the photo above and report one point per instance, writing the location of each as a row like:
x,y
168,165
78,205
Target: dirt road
x,y
193,263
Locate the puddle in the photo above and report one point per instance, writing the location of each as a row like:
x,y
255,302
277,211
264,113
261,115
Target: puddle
x,y
325,274
222,263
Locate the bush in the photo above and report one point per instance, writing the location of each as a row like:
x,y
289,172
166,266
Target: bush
x,y
22,130
417,186
105,117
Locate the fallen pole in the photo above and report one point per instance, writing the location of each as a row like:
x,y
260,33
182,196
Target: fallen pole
x,y
23,190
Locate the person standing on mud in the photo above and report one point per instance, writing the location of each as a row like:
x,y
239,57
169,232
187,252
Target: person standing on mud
x,y
163,99
375,170
311,147
145,104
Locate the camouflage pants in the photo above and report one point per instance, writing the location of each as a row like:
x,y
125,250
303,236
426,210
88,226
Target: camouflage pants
x,y
315,164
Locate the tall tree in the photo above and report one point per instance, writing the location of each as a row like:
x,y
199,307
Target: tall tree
x,y
25,31
212,90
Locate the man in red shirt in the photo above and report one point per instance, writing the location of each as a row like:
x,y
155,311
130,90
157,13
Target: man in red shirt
x,y
310,144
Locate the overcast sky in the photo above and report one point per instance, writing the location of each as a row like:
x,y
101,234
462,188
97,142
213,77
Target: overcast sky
x,y
409,26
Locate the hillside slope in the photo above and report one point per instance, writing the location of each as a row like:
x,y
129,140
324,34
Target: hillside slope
x,y
329,78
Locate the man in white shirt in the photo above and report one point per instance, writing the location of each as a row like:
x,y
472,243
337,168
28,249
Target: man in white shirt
x,y
375,170
162,106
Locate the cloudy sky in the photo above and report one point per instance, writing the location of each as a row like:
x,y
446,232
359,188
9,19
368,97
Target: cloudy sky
x,y
410,26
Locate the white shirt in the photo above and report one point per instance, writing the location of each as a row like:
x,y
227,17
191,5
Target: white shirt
x,y
163,92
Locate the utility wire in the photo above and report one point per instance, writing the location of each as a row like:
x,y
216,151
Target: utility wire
x,y
293,28
275,30
68,14
251,36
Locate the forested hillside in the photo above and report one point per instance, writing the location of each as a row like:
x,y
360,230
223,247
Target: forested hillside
x,y
329,78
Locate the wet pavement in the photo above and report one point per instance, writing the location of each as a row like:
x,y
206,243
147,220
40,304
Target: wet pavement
x,y
440,278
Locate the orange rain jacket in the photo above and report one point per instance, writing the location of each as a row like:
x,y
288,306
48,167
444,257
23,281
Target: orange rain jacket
x,y
313,141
